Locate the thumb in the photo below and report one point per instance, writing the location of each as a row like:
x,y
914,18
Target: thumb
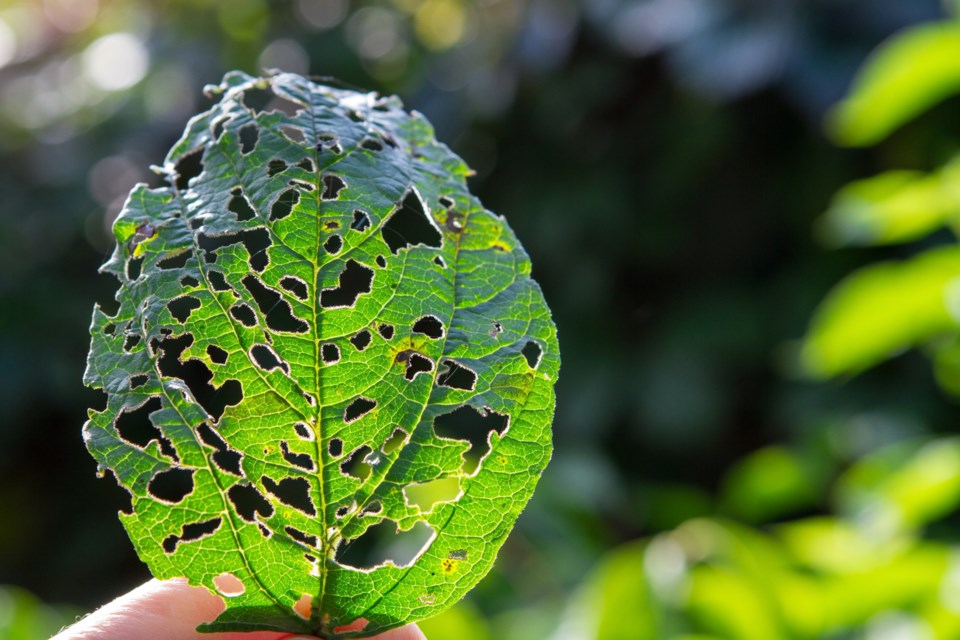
x,y
171,610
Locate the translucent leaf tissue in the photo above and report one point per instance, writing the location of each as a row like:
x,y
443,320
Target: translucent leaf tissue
x,y
329,375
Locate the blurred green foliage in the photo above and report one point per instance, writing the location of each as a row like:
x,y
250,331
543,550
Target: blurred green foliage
x,y
24,617
866,567
663,162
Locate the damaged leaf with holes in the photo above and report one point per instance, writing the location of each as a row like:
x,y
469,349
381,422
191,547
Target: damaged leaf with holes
x,y
329,375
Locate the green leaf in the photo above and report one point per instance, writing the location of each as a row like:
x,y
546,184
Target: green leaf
x,y
903,486
897,206
907,75
769,483
881,310
330,377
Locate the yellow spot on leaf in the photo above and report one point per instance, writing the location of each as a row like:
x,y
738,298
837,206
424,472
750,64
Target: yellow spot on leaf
x,y
449,565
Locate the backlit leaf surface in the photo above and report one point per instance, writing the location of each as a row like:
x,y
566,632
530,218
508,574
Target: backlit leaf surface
x,y
330,377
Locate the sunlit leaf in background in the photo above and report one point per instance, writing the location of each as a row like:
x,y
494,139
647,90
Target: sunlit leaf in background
x,y
24,617
770,483
893,207
881,310
903,78
902,487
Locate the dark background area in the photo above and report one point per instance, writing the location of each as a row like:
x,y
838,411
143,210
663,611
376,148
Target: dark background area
x,y
662,161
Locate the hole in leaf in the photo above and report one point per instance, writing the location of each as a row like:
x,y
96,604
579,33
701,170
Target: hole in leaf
x,y
417,363
217,129
134,426
224,457
284,204
456,376
229,585
249,502
496,327
384,543
134,267
303,431
294,285
301,537
275,309
356,464
356,116
327,141
216,354
181,308
302,460
137,381
244,314
131,340
335,447
330,353
176,260
409,226
307,165
466,423
395,441
172,485
381,262
188,167
249,136
455,221
275,166
302,607
141,234
355,280
426,495
189,282
386,331
241,206
293,134
429,326
332,186
439,262
371,144
446,202
361,341
333,244
532,352
267,359
372,509
344,510
303,185
266,99
191,532
293,492
256,241
218,281
358,408
197,377
361,220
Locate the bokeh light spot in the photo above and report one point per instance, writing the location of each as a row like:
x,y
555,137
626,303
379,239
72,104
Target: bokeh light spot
x,y
116,61
71,15
440,24
286,55
322,14
374,32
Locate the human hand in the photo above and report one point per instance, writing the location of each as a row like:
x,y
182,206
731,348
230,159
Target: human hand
x,y
171,610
